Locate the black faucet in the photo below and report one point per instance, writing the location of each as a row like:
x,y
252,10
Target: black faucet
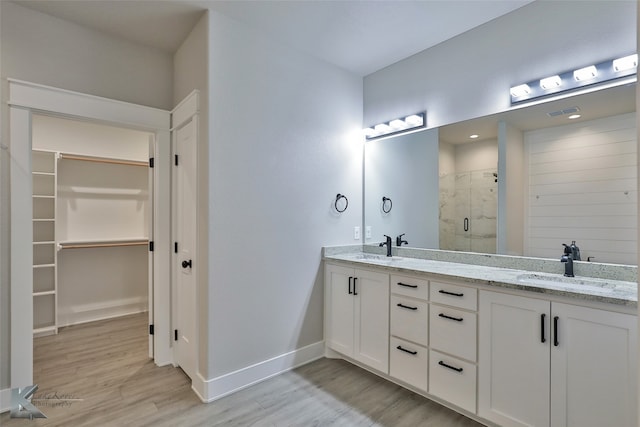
x,y
567,258
388,243
399,240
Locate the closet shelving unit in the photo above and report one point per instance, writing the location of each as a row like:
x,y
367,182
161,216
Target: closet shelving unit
x,y
46,242
45,284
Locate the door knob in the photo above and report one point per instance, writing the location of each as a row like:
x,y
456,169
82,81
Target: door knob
x,y
186,264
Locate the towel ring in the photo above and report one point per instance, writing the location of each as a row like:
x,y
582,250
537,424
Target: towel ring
x,y
384,204
338,197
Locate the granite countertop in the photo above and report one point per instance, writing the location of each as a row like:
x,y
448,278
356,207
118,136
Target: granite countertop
x,y
585,288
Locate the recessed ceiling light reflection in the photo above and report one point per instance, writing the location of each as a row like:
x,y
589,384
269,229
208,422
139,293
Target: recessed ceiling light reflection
x,y
574,116
474,136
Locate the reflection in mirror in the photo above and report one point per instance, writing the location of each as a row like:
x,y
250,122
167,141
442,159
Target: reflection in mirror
x,y
559,180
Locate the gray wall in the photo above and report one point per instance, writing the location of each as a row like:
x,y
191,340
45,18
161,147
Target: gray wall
x,y
284,140
470,75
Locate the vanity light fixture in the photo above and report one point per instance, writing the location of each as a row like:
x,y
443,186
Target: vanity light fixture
x,y
551,82
407,124
622,69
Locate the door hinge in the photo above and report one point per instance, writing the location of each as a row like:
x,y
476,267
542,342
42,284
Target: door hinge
x,y
151,246
176,160
175,247
175,335
151,330
151,161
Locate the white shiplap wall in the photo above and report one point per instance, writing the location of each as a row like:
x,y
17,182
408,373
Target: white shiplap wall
x,y
582,186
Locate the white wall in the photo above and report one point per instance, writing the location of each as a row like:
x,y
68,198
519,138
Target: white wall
x,y
477,155
582,186
405,169
191,71
43,49
284,140
470,75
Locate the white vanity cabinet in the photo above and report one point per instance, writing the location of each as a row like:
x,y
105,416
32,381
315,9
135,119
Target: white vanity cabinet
x,y
545,363
357,314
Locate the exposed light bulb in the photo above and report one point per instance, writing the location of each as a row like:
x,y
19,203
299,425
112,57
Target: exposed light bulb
x,y
398,124
520,90
550,82
382,128
414,120
625,63
586,73
369,132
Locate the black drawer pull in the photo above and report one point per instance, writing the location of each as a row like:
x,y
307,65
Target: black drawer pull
x,y
406,351
556,341
407,307
441,363
457,319
407,286
350,278
354,286
450,293
542,337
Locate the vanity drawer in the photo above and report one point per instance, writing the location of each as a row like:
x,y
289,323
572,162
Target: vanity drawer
x,y
409,319
453,331
410,286
454,295
453,380
409,363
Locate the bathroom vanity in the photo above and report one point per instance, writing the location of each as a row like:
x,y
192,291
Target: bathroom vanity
x,y
504,346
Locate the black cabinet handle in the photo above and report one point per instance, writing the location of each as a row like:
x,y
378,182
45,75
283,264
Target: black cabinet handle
x,y
406,351
407,307
407,286
556,342
466,224
354,286
457,319
441,363
186,264
350,278
542,337
450,293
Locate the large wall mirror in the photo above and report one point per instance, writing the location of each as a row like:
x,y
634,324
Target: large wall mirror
x,y
530,179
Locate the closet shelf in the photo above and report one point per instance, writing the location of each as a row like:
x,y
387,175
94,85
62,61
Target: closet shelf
x,y
40,294
41,196
43,219
44,242
102,243
44,173
43,265
103,160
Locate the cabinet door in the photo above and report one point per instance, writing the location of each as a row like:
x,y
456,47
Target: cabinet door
x,y
372,320
339,330
593,368
513,363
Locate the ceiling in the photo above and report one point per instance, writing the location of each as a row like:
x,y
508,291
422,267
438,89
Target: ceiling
x,y
361,36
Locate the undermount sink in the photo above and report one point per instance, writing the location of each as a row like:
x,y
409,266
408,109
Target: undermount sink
x,y
376,257
557,279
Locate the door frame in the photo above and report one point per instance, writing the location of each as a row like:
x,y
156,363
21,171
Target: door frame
x,y
25,99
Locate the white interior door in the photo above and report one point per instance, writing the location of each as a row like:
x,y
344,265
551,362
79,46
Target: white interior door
x,y
185,138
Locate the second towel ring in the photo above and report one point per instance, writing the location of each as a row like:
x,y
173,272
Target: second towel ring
x,y
338,197
384,204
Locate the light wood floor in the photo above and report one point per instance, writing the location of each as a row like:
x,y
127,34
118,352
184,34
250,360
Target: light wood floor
x,y
105,364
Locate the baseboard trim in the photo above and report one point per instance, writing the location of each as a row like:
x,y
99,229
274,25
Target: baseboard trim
x,y
95,312
5,400
216,388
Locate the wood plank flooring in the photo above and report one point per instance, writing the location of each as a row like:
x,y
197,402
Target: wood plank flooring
x,y
106,365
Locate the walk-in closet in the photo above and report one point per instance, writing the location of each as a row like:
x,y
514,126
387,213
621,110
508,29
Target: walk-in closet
x,y
92,212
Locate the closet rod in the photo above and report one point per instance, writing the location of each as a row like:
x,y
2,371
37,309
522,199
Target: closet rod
x,y
101,245
103,160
